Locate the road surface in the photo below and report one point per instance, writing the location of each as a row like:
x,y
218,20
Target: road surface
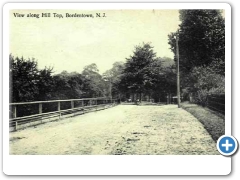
x,y
120,130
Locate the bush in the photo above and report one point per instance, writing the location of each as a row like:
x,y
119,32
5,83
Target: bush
x,y
202,97
206,81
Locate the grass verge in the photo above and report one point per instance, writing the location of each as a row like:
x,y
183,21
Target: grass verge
x,y
213,122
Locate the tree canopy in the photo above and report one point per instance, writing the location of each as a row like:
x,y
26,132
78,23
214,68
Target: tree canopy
x,y
145,74
29,83
201,38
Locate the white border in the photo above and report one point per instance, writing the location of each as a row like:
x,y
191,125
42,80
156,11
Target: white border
x,y
114,165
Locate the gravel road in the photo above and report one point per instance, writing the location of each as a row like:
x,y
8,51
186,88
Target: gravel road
x,y
120,130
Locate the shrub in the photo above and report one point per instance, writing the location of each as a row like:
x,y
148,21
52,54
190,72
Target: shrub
x,y
202,97
206,81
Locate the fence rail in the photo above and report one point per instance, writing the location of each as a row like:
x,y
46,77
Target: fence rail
x,y
23,114
215,102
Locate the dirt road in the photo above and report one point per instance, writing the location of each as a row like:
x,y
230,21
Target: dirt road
x,y
123,129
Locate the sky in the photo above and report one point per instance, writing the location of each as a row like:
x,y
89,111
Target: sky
x,y
72,43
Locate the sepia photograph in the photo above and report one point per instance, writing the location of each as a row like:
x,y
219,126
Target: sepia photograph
x,y
116,81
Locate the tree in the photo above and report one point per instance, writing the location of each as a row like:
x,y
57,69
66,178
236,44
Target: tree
x,y
90,71
138,70
94,81
24,77
27,82
201,38
112,79
68,85
45,84
145,74
202,51
207,79
163,79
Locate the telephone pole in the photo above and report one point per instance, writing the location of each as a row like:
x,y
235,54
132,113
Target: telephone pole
x,y
111,89
178,75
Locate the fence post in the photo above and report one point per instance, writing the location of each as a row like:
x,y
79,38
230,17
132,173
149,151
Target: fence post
x,y
59,109
40,110
14,116
16,126
82,103
95,103
90,102
72,106
14,111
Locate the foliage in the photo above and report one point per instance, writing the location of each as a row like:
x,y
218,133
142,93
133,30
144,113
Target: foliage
x,y
112,79
201,38
95,84
145,74
45,84
201,52
67,85
206,78
205,81
137,71
142,74
27,83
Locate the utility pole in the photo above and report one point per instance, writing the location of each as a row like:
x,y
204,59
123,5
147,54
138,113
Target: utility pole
x,y
178,75
111,89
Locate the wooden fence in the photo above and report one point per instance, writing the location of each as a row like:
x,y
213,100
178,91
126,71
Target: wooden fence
x,y
25,114
215,102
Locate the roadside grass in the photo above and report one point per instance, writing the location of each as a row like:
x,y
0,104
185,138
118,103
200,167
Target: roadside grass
x,y
213,122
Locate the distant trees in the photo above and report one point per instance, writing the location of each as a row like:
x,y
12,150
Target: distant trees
x,y
94,81
143,74
68,85
112,78
28,83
